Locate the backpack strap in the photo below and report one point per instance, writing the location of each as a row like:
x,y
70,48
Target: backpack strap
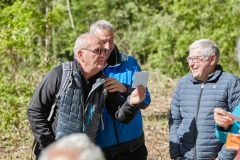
x,y
116,134
65,82
33,146
105,96
66,78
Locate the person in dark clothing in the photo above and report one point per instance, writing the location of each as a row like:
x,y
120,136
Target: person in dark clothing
x,y
116,139
80,107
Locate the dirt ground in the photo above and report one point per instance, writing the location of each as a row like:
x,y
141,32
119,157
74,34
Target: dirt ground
x,y
155,117
154,121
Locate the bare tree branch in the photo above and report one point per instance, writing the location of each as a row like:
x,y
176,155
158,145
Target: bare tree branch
x,y
238,51
70,14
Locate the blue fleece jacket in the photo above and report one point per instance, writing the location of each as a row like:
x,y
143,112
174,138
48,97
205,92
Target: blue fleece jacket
x,y
130,134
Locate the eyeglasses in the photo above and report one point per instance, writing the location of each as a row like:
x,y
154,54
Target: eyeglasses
x,y
195,59
98,51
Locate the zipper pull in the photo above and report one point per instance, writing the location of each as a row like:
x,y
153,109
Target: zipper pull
x,y
89,115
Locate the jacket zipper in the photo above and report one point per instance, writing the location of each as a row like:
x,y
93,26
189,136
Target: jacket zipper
x,y
195,135
88,115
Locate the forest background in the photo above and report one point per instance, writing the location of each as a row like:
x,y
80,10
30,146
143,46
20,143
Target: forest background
x,y
34,34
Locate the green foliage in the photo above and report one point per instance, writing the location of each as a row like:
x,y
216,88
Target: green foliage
x,y
25,58
192,20
159,32
14,96
35,33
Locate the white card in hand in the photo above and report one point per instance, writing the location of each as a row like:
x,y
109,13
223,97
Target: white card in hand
x,y
232,116
140,78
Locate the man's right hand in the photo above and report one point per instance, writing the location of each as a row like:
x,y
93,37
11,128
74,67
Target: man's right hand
x,y
114,85
221,118
138,95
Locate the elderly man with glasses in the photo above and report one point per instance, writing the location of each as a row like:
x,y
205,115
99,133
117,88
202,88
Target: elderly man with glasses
x,y
80,106
191,121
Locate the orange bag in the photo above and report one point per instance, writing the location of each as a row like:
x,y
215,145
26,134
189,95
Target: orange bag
x,y
233,141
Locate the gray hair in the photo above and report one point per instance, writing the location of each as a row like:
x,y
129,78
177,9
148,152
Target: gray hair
x,y
101,24
207,47
81,42
76,145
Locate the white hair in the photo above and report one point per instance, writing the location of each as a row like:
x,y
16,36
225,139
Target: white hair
x,y
101,24
207,47
72,147
82,41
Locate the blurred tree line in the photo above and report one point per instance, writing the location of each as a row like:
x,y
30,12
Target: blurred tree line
x,y
34,34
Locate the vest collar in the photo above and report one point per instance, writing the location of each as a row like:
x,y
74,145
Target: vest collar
x,y
114,59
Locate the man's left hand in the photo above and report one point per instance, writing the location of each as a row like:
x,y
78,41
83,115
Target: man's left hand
x,y
138,95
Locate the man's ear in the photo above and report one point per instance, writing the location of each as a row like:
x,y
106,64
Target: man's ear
x,y
213,59
80,55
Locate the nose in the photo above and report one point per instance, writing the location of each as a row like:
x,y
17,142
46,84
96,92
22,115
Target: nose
x,y
102,54
190,63
107,45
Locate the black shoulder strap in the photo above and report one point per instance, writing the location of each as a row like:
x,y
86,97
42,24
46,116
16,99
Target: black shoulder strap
x,y
65,82
66,78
